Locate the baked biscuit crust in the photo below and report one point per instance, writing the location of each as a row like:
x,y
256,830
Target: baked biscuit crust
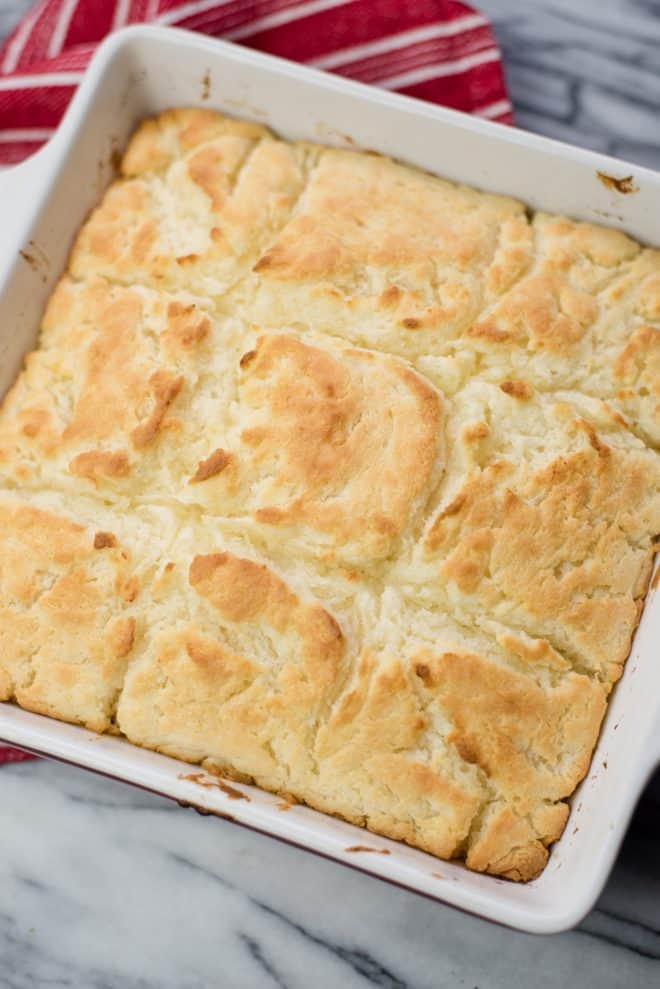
x,y
67,618
331,449
333,476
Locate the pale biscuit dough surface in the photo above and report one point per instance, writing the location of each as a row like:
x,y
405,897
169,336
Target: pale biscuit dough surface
x,y
333,476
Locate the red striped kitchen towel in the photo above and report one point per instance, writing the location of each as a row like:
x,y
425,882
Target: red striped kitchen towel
x,y
438,50
13,755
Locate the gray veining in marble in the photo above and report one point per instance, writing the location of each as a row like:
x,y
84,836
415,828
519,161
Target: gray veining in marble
x,y
585,71
105,887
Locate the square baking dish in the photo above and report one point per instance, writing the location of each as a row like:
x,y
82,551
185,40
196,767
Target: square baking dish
x,y
142,70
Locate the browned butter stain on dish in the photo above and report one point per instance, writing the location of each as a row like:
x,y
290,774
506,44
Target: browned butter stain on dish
x,y
205,812
656,580
37,259
214,784
206,85
30,259
251,108
108,165
609,215
366,848
625,186
286,802
325,132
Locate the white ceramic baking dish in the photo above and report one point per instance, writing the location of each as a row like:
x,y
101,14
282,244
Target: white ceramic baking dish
x,y
142,70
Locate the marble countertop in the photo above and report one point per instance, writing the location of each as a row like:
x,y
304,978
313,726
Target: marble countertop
x,y
105,887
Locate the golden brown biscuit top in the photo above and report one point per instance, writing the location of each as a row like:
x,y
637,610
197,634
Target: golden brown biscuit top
x,y
335,476
344,442
114,365
544,529
163,139
367,211
394,244
201,221
66,619
242,591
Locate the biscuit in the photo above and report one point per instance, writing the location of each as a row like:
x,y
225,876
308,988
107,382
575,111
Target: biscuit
x,y
585,316
109,384
67,622
326,449
196,205
388,256
332,476
543,523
